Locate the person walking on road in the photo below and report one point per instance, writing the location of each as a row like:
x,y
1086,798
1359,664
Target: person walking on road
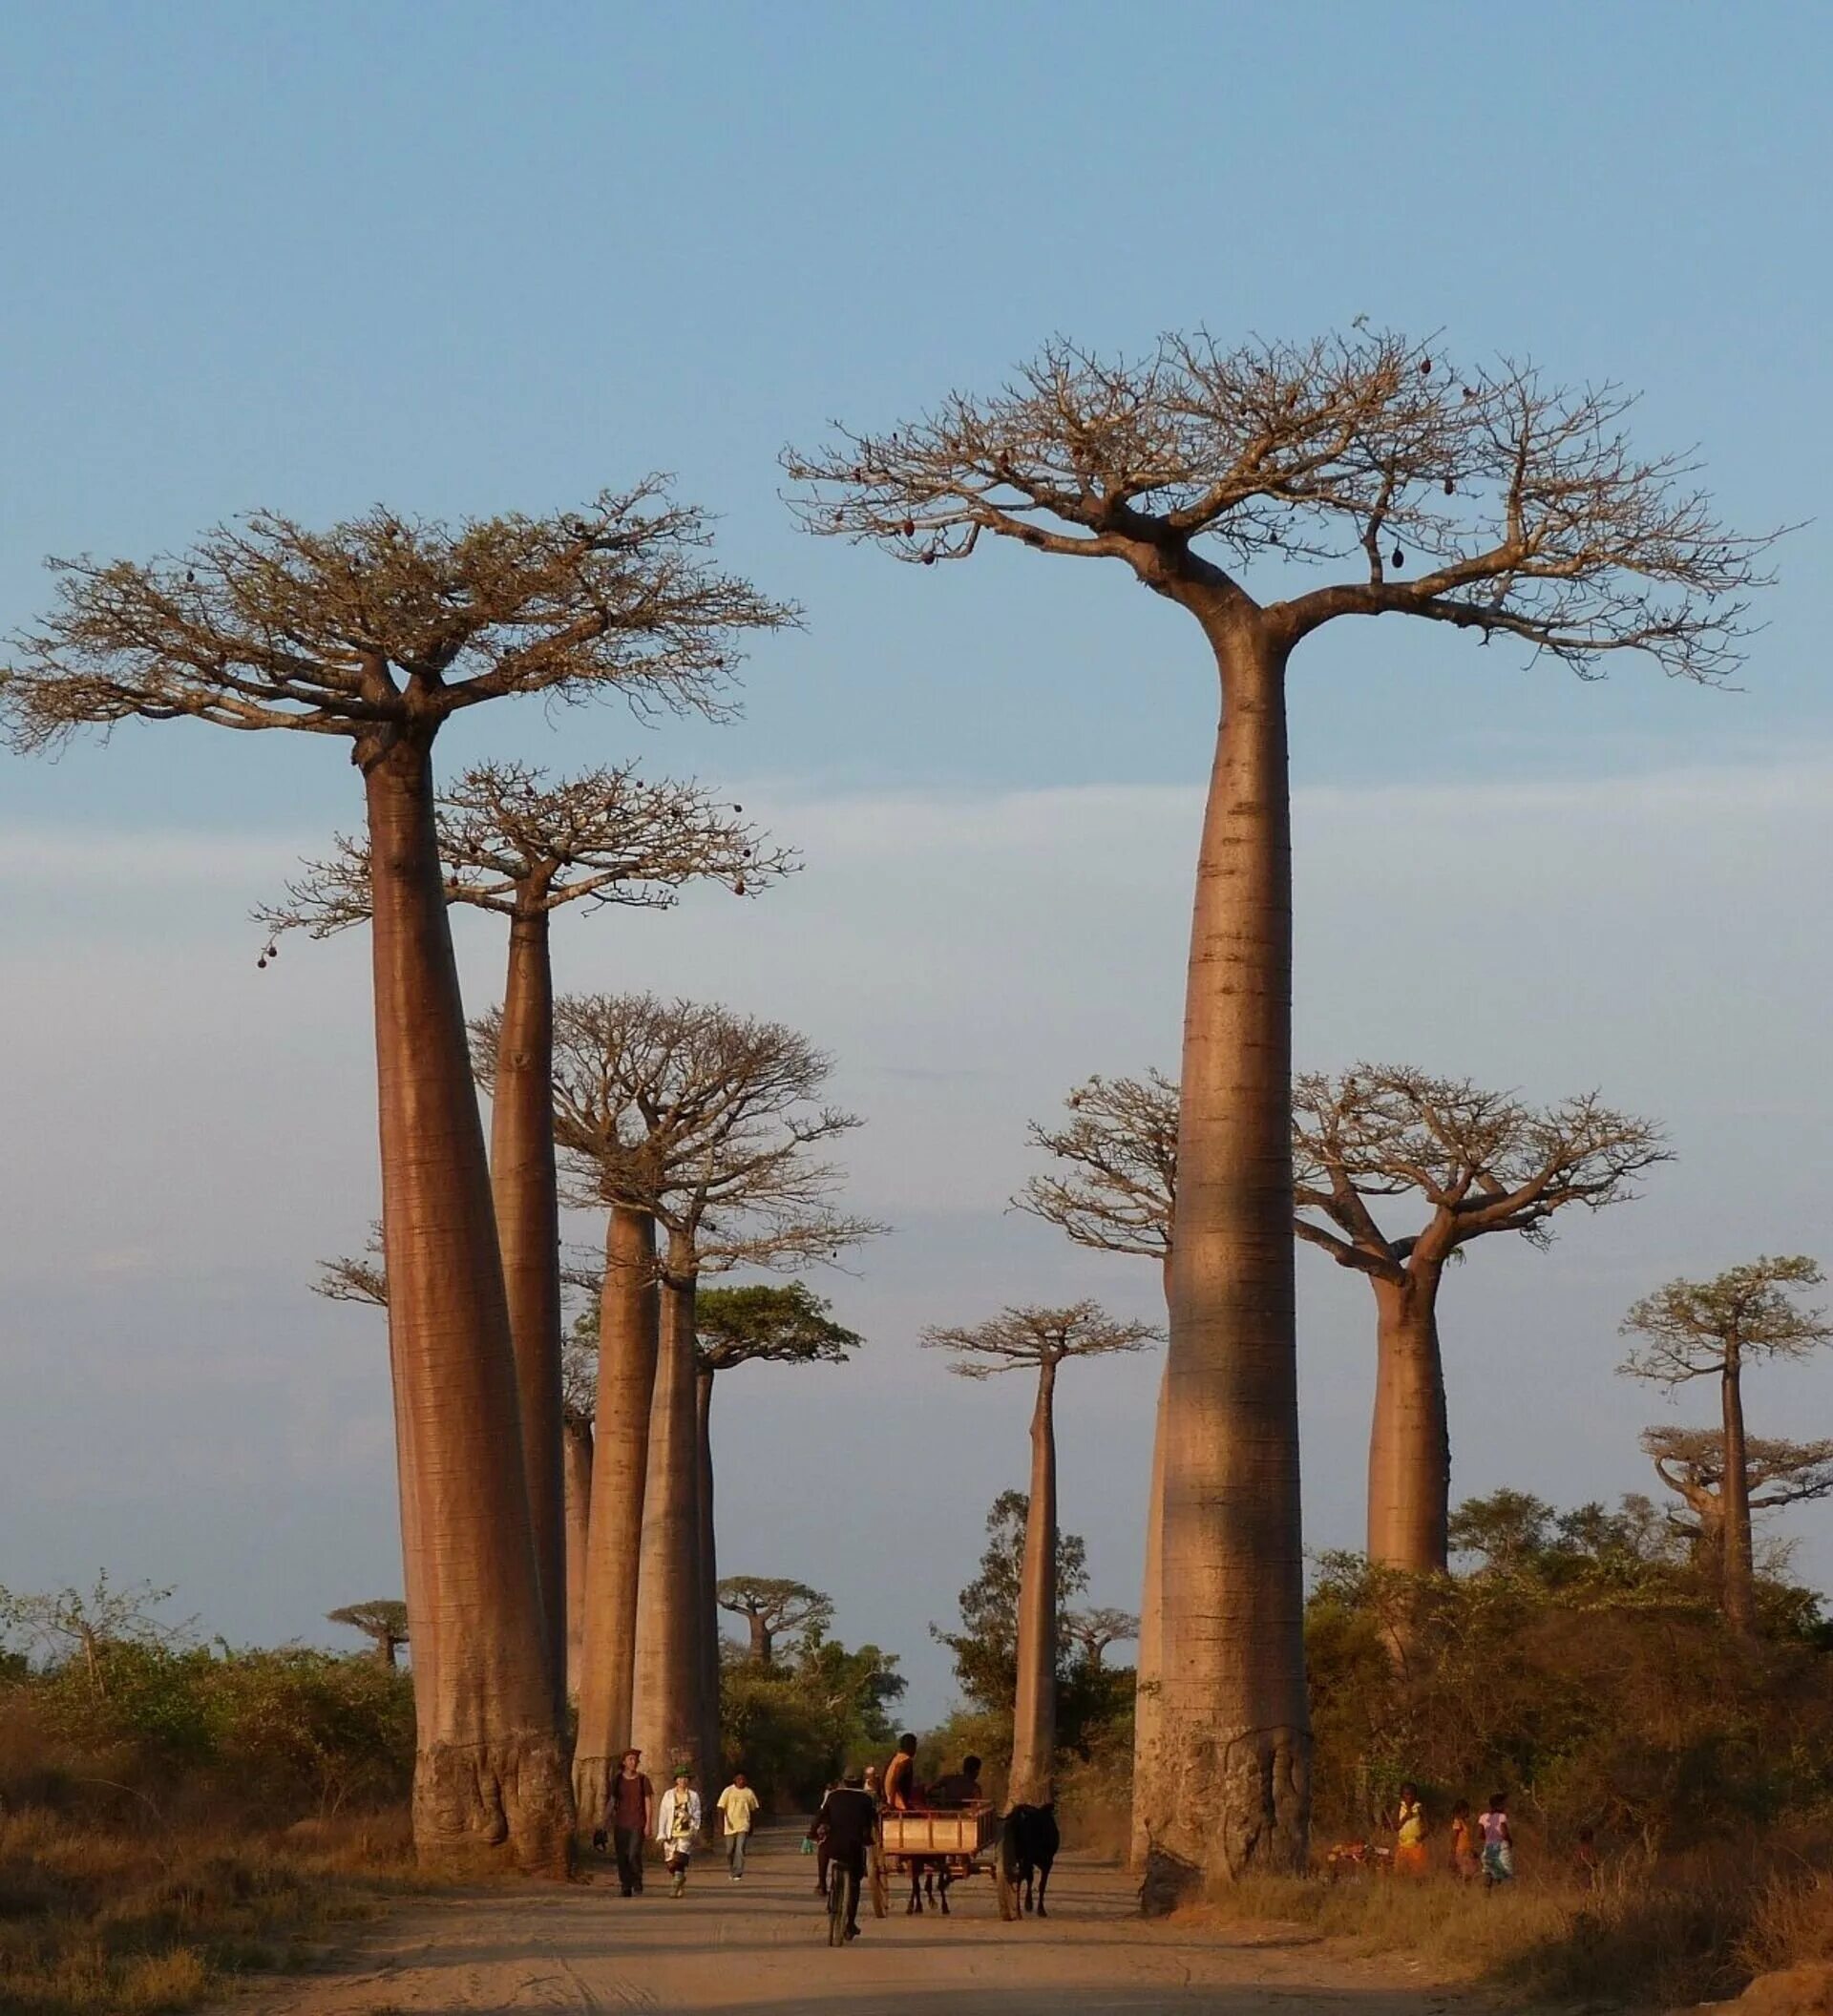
x,y
678,1827
848,1821
632,1808
736,1807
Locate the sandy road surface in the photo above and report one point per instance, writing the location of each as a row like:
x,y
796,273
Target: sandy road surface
x,y
760,1946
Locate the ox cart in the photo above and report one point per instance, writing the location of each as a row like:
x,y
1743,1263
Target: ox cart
x,y
950,1842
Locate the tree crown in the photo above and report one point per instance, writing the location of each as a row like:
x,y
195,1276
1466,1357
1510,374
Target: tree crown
x,y
1118,1152
701,1116
1523,505
1690,1461
1483,1160
783,1323
383,1619
778,1602
1033,1337
1691,1330
513,843
385,625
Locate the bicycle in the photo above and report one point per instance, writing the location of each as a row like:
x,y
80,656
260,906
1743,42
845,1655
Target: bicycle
x,y
837,1901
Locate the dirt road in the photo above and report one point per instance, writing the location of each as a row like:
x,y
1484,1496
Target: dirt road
x,y
759,1946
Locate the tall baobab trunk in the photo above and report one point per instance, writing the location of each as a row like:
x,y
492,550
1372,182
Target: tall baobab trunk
x,y
627,1353
1227,1776
706,1551
489,1770
1148,1677
668,1719
577,1480
1739,1568
1033,1712
528,1231
1409,1447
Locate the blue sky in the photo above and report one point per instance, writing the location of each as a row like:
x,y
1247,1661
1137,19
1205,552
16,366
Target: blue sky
x,y
467,258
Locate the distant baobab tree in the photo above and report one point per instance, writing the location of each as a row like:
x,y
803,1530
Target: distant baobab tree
x,y
1490,500
383,1620
702,1121
771,1607
1690,1461
1093,1632
1715,1330
1113,1189
1477,1162
515,842
1037,1340
376,632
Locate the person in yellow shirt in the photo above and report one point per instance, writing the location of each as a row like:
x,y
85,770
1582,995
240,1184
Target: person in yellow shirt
x,y
735,1807
1409,1850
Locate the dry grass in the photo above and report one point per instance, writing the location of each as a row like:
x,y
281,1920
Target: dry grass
x,y
101,1915
1634,1941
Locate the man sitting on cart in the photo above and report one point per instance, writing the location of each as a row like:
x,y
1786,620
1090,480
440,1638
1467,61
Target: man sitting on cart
x,y
845,1825
900,1777
960,1788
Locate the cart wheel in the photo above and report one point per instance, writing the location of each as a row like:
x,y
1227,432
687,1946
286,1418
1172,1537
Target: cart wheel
x,y
880,1888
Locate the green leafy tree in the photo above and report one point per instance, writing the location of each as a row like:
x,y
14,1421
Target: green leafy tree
x,y
986,1647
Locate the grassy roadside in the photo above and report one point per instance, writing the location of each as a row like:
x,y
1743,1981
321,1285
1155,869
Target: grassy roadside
x,y
130,1917
1632,1942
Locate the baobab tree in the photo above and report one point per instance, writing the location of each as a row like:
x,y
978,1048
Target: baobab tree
x,y
1113,1190
377,632
773,1607
1487,499
1690,1461
777,1323
1712,1330
523,847
1037,1340
579,1403
1477,1162
701,1121
383,1620
1093,1632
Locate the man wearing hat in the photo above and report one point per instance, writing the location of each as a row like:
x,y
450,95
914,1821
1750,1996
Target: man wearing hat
x,y
677,1826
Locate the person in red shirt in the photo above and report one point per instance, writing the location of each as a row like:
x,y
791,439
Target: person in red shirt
x,y
633,1801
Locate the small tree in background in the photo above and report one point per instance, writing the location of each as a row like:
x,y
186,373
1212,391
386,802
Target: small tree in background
x,y
523,848
381,1620
376,633
1690,1461
774,1607
1712,1330
1040,1341
986,1647
1478,1162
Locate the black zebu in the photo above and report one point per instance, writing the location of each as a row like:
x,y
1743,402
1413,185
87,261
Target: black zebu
x,y
1028,1844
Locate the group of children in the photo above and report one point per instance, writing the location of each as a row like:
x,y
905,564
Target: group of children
x,y
1483,1847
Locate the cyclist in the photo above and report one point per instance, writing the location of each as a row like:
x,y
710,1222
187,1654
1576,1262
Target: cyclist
x,y
847,1822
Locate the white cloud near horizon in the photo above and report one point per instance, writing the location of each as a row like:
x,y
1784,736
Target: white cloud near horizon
x,y
190,1136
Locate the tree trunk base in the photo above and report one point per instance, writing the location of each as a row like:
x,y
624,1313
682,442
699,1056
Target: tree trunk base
x,y
484,1807
592,1789
1227,1809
